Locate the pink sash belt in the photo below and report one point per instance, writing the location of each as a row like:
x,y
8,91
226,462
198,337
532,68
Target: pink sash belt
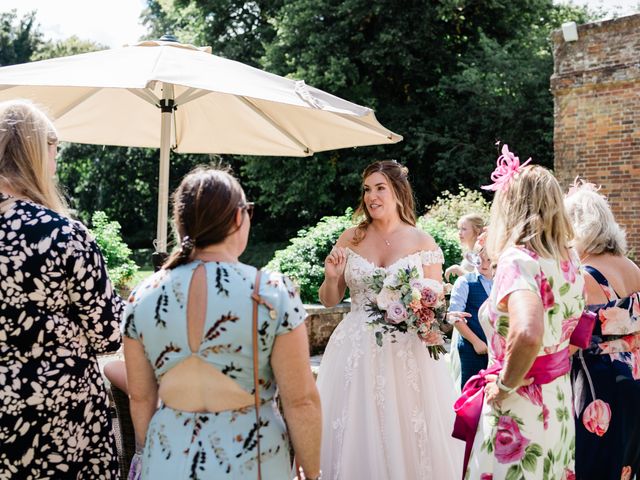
x,y
468,407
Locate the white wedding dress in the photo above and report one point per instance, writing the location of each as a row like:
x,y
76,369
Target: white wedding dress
x,y
387,411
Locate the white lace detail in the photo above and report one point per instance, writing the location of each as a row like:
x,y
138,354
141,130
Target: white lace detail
x,y
420,429
411,367
338,434
432,257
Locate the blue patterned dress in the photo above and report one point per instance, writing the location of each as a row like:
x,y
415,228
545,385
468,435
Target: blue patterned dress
x,y
190,445
606,385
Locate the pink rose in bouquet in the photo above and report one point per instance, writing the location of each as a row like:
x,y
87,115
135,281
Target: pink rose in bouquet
x,y
426,317
596,417
510,443
406,302
429,298
396,313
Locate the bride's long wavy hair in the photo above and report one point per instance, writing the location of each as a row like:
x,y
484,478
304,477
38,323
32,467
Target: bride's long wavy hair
x,y
397,176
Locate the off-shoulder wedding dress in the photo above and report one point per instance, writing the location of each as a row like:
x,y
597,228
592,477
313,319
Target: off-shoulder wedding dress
x,y
387,411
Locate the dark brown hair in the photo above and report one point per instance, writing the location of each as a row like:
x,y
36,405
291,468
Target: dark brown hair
x,y
204,211
397,176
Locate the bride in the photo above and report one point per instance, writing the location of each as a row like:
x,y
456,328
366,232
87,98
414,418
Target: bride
x,y
387,410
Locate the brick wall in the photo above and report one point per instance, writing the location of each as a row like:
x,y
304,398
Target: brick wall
x,y
596,89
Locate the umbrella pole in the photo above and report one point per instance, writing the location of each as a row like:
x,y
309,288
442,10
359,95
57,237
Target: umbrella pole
x,y
167,107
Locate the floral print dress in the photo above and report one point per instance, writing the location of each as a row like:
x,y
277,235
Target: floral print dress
x,y
57,311
531,435
606,381
182,444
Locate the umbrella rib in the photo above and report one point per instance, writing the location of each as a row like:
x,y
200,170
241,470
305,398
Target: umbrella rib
x,y
382,131
75,103
275,124
190,95
145,95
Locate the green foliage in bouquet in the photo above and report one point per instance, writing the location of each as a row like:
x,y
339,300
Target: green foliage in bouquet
x,y
449,207
303,259
116,253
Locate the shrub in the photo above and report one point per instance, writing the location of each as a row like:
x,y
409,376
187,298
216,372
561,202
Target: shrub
x,y
303,258
117,254
448,208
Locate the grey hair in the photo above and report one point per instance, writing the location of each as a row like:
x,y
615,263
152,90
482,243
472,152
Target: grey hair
x,y
596,230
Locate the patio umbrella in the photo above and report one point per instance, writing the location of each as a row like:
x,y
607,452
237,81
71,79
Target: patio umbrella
x,y
169,95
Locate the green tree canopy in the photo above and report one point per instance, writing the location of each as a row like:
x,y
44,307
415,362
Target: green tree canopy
x,y
19,37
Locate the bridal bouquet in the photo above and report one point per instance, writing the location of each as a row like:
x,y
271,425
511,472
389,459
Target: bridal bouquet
x,y
407,302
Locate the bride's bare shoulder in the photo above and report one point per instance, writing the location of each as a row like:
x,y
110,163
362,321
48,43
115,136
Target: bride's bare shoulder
x,y
423,240
346,239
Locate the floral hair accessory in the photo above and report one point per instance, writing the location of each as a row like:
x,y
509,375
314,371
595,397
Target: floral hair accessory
x,y
579,184
187,245
506,168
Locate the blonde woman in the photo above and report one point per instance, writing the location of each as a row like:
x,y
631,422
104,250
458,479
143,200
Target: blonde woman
x,y
525,429
57,311
470,227
606,375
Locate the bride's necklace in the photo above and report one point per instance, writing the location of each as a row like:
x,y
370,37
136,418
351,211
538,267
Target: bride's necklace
x,y
385,238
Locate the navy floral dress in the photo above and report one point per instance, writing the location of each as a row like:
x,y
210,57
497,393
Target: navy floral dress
x,y
57,311
606,385
182,444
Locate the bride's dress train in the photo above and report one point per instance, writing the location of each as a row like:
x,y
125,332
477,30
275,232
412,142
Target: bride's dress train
x,y
387,411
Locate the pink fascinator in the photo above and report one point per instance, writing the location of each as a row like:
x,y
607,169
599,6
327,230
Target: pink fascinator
x,y
506,168
579,184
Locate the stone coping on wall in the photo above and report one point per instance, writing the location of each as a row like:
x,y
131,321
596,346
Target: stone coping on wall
x,y
321,322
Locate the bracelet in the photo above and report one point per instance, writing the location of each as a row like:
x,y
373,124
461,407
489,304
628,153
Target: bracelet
x,y
503,387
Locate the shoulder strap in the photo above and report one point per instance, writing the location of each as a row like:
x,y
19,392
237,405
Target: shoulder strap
x,y
256,381
601,279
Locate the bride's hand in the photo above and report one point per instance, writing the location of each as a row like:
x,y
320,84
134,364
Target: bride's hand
x,y
335,263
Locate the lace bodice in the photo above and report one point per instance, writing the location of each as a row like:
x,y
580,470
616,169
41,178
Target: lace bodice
x,y
359,270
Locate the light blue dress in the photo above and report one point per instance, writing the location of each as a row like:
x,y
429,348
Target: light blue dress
x,y
214,445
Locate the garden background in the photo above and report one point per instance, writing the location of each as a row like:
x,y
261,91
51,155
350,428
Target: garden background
x,y
452,76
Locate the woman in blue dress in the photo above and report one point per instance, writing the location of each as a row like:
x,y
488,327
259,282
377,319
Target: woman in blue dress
x,y
188,342
606,375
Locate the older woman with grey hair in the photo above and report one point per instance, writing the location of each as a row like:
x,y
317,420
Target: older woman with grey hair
x,y
606,375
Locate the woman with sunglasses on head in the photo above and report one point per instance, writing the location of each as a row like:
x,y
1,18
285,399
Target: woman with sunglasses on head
x,y
190,339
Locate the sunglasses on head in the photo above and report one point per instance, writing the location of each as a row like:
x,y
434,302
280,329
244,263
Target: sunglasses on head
x,y
249,207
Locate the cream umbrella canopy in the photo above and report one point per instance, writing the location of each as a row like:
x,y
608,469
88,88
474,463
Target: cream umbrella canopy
x,y
172,96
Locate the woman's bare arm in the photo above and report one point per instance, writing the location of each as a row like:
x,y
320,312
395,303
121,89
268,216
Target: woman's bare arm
x,y
143,388
300,397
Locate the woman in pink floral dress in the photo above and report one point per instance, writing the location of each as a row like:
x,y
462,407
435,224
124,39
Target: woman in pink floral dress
x,y
525,429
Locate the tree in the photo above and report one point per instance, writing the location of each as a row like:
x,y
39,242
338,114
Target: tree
x,y
63,48
19,38
122,182
452,76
